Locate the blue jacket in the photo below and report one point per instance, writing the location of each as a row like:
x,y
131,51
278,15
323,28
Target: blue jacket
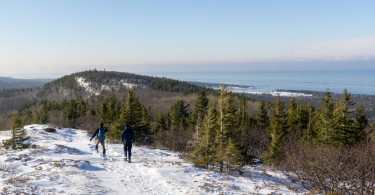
x,y
127,136
100,133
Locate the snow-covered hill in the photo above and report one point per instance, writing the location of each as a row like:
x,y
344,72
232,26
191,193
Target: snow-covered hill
x,y
64,162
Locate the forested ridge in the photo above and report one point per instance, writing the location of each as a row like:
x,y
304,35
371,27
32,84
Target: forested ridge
x,y
13,83
68,86
328,146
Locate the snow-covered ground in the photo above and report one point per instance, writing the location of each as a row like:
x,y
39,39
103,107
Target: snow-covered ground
x,y
64,162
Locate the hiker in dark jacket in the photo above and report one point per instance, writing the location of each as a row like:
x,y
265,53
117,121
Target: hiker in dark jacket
x,y
100,137
127,136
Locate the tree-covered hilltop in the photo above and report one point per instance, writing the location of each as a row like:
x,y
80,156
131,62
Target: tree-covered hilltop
x,y
86,83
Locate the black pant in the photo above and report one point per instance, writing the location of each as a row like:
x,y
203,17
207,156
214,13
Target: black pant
x,y
128,150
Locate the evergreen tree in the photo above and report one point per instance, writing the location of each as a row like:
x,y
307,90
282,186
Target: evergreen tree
x,y
71,111
178,120
310,133
199,112
262,119
325,122
131,112
17,122
278,131
145,125
361,118
104,114
292,121
302,117
178,116
161,129
227,128
43,115
161,123
345,131
28,117
204,154
81,107
18,134
115,107
244,120
233,156
200,109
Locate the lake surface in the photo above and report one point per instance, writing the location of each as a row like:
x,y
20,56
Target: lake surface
x,y
356,82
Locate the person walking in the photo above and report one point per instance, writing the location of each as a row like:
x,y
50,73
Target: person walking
x,y
127,136
100,137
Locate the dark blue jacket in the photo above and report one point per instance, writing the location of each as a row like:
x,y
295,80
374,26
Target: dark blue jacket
x,y
127,136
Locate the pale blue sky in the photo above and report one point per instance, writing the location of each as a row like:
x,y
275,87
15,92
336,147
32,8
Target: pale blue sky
x,y
65,36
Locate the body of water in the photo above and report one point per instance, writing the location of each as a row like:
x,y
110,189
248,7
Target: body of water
x,y
356,82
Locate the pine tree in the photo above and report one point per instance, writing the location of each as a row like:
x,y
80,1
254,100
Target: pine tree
x,y
18,133
71,111
178,116
161,129
43,114
145,125
17,122
302,117
310,133
200,111
244,120
161,123
278,131
131,112
262,119
104,113
226,133
233,156
81,108
292,121
178,122
325,122
361,118
114,107
345,131
204,154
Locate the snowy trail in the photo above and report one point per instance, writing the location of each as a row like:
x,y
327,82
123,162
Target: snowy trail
x,y
65,162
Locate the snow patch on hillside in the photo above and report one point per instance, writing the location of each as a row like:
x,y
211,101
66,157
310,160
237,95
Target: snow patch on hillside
x,y
115,85
82,82
65,162
289,94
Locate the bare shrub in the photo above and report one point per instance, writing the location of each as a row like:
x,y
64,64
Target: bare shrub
x,y
88,122
17,180
176,140
255,141
55,117
333,170
8,169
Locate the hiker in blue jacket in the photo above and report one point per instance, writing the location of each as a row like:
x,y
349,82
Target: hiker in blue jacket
x,y
127,136
100,137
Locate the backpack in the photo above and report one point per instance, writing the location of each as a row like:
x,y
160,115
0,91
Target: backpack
x,y
101,133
